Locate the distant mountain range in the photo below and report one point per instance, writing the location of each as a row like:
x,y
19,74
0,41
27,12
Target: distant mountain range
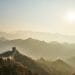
x,y
71,61
58,67
39,35
36,49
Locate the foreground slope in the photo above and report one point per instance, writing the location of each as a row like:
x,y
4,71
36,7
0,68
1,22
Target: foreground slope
x,y
11,67
31,64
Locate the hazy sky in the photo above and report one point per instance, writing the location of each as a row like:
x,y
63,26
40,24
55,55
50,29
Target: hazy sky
x,y
56,16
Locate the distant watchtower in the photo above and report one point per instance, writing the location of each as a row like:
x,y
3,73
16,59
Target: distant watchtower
x,y
13,49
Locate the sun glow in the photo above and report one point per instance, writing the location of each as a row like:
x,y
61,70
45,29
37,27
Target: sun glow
x,y
70,17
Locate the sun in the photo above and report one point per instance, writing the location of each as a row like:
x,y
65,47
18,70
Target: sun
x,y
70,17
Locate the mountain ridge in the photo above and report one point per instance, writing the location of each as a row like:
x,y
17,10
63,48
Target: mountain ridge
x,y
30,63
46,36
36,48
